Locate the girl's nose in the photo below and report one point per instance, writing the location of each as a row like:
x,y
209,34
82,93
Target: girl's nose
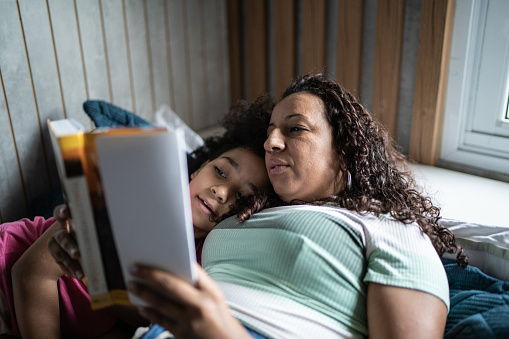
x,y
220,192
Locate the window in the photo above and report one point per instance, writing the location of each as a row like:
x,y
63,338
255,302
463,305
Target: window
x,y
476,122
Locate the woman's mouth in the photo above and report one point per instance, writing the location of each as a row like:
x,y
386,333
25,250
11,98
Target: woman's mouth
x,y
277,167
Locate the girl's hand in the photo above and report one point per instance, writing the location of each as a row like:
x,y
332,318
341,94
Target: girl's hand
x,y
62,246
185,310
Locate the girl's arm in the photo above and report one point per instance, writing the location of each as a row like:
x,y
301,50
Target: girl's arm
x,y
34,281
396,312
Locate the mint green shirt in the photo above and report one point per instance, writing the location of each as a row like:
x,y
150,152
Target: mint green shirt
x,y
303,271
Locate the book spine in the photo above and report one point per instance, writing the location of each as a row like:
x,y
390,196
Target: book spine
x,y
82,219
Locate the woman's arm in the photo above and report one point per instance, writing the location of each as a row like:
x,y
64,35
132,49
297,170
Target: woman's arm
x,y
396,312
185,310
34,281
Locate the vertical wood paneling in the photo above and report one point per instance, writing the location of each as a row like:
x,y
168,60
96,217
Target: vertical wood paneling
x,y
26,150
388,49
256,48
69,58
284,41
179,60
349,45
431,78
115,30
234,50
313,36
197,59
12,195
224,96
92,43
139,52
158,53
41,55
213,68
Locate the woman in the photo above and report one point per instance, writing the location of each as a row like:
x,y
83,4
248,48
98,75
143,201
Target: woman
x,y
364,260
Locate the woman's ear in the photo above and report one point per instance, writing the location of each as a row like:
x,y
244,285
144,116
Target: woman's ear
x,y
195,173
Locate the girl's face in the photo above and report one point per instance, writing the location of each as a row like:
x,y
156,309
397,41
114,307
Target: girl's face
x,y
219,183
299,151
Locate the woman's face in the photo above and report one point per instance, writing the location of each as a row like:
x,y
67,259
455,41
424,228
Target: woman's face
x,y
300,156
219,183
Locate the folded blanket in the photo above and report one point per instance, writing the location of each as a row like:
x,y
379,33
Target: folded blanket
x,y
479,304
104,114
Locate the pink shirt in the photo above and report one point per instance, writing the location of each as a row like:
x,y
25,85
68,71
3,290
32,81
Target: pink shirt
x,y
77,319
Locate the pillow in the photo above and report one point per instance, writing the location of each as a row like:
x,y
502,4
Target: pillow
x,y
487,246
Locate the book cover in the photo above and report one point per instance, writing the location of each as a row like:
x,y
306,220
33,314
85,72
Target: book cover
x,y
135,195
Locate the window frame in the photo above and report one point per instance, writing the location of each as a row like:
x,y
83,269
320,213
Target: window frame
x,y
466,142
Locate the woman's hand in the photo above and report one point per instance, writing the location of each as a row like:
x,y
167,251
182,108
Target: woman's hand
x,y
185,310
62,246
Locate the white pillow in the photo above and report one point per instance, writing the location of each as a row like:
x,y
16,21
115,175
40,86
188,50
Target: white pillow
x,y
487,246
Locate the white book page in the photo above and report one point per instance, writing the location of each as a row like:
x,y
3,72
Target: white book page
x,y
146,187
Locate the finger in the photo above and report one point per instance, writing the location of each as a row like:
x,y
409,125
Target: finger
x,y
174,287
157,300
66,242
70,266
61,212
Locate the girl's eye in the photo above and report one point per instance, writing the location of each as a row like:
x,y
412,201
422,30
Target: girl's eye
x,y
240,195
219,172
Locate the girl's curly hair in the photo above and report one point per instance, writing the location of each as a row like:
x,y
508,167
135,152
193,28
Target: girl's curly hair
x,y
245,127
381,182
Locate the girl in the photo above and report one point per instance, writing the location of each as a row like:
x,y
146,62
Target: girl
x,y
45,304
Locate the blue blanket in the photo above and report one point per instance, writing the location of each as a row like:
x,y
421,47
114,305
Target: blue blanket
x,y
479,304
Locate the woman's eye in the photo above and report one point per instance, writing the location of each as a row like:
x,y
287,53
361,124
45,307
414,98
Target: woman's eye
x,y
219,172
296,129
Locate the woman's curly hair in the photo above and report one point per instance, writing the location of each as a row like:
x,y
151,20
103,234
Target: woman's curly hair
x,y
381,182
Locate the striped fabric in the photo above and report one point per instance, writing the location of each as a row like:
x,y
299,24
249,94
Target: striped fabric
x,y
302,271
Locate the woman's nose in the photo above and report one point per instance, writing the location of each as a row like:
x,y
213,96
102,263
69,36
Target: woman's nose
x,y
220,192
274,142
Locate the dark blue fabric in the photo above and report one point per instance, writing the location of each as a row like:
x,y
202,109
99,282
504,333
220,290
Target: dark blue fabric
x,y
104,114
479,304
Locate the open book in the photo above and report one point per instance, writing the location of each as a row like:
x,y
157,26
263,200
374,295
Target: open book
x,y
128,195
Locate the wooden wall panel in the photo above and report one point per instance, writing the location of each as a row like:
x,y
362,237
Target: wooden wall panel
x,y
158,42
431,80
69,58
179,60
234,48
55,54
349,45
92,49
388,49
256,49
44,73
139,52
313,36
117,53
284,41
23,121
198,58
